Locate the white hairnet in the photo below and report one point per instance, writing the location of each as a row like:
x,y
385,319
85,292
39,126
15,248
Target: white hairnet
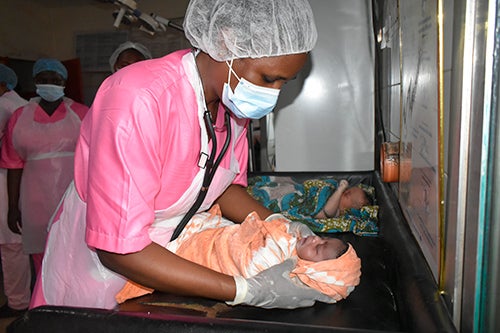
x,y
126,46
228,29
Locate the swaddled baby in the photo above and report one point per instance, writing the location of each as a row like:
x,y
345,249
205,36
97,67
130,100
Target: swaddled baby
x,y
328,265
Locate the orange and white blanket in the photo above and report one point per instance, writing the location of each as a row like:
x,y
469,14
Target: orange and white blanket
x,y
250,247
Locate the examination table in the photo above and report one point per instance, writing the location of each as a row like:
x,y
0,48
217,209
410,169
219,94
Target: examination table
x,y
397,293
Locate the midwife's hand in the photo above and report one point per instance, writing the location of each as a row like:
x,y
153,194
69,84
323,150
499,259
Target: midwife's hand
x,y
273,288
14,220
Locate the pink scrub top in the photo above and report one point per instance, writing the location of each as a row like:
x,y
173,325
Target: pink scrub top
x,y
139,151
43,146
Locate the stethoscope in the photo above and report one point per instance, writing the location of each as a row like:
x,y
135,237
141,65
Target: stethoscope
x,y
211,167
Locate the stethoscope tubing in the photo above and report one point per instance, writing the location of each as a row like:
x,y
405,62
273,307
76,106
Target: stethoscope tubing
x,y
211,167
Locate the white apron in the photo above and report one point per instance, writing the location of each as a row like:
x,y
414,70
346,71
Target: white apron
x,y
48,151
72,274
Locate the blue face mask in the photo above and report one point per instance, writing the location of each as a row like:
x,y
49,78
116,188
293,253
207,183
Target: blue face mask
x,y
50,92
248,100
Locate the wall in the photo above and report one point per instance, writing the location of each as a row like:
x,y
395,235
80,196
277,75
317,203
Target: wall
x,y
31,30
324,120
411,113
466,263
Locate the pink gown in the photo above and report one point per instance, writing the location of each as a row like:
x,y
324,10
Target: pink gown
x,y
9,102
43,146
15,263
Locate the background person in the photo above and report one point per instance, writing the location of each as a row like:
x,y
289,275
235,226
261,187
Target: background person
x,y
127,54
138,159
16,269
38,151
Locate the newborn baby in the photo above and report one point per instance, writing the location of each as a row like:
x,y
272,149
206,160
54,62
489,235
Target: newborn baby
x,y
343,198
315,248
329,265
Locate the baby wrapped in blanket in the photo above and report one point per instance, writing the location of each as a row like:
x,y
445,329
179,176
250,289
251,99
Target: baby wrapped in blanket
x,y
328,265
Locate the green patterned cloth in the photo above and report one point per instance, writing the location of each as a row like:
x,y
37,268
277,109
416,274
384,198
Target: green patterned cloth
x,y
300,201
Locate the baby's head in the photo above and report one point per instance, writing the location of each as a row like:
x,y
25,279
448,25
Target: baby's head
x,y
353,197
315,248
328,265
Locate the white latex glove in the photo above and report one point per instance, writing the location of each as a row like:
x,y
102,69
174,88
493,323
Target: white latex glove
x,y
273,288
296,229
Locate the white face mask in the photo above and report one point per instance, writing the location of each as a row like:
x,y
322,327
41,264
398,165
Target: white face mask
x,y
248,100
50,92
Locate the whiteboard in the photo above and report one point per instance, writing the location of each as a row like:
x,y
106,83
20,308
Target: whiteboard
x,y
420,119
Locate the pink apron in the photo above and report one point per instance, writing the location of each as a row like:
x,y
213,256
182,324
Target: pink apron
x,y
48,151
77,277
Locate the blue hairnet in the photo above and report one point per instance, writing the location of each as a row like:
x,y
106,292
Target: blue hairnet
x,y
229,29
53,65
8,76
127,46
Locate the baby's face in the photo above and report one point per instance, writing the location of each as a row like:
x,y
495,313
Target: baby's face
x,y
353,197
315,248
